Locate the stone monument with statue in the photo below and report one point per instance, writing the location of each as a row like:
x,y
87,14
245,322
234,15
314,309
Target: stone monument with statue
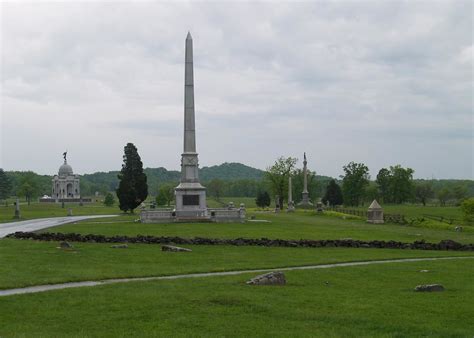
x,y
305,201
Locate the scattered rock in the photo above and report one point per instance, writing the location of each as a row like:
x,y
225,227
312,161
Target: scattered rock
x,y
429,288
174,248
65,245
119,246
272,278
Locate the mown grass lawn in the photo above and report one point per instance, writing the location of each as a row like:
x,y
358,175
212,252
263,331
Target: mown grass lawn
x,y
418,210
27,262
306,225
363,301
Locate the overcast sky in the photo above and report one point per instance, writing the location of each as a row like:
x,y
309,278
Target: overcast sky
x,y
378,82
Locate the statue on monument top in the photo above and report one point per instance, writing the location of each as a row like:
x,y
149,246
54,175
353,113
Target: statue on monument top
x,y
64,155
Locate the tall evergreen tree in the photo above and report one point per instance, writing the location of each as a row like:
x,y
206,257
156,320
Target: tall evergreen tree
x,y
333,194
263,199
5,185
133,188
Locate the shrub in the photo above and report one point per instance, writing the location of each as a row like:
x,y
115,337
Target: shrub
x,y
468,209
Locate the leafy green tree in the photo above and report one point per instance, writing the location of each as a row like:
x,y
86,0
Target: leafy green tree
x,y
460,193
215,188
165,194
467,208
263,199
5,185
354,181
277,176
333,194
423,191
396,184
383,182
133,188
371,192
109,199
401,184
29,186
443,196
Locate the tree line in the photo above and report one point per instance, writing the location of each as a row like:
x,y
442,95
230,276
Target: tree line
x,y
394,184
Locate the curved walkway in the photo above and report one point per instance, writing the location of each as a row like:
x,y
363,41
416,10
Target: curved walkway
x,y
42,223
42,288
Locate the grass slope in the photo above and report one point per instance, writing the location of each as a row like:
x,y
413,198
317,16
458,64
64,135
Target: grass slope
x,y
33,263
285,226
364,301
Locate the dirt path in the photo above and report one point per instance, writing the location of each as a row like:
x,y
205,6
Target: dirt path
x,y
42,288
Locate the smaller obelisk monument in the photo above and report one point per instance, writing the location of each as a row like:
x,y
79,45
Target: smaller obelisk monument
x,y
190,194
291,204
305,202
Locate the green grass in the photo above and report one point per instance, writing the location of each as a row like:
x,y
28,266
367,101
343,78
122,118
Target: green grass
x,y
415,210
306,225
363,301
359,301
34,262
44,210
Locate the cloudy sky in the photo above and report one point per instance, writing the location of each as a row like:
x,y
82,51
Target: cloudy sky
x,y
378,82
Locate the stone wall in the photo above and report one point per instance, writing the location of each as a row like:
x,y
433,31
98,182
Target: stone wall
x,y
350,243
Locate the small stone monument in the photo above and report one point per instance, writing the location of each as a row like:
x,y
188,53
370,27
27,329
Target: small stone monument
x,y
291,204
277,203
17,209
319,207
375,213
69,212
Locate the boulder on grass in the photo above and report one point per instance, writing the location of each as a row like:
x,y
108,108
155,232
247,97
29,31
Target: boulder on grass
x,y
271,278
174,248
119,246
65,245
429,288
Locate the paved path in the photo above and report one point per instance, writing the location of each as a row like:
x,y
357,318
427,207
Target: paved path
x,y
42,288
41,223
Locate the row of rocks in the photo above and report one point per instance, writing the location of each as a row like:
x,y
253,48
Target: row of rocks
x,y
347,243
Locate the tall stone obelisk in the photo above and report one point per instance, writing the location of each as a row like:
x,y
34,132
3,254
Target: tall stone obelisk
x,y
305,202
190,194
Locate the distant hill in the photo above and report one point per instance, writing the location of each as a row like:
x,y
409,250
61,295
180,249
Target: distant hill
x,y
230,172
101,181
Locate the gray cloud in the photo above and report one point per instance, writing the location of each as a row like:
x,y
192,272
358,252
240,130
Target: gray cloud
x,y
377,82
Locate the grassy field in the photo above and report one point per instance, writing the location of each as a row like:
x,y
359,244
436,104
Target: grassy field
x,y
306,225
363,301
359,301
415,211
34,262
